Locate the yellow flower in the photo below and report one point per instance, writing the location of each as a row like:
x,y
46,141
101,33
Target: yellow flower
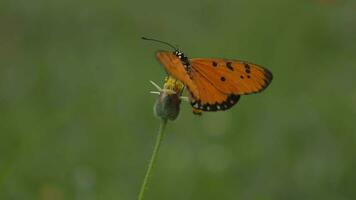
x,y
173,84
167,105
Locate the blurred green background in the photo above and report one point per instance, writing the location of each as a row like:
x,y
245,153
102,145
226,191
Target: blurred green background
x,y
76,116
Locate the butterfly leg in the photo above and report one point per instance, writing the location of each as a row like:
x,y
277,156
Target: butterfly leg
x,y
197,111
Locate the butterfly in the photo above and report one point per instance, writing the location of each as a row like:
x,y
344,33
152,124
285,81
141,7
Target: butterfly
x,y
214,84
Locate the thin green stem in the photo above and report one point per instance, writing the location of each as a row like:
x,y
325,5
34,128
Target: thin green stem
x,y
148,175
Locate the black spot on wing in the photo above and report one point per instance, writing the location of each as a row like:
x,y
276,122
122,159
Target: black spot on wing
x,y
229,66
267,80
215,64
247,68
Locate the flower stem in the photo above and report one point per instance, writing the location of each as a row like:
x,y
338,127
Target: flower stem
x,y
153,159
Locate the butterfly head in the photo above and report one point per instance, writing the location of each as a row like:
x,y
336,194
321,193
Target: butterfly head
x,y
182,57
178,53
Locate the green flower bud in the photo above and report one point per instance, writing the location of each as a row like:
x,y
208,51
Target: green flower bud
x,y
167,105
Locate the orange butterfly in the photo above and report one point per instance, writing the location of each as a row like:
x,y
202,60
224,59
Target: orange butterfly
x,y
214,83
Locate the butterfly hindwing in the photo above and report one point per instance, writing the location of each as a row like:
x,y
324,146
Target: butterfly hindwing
x,y
210,99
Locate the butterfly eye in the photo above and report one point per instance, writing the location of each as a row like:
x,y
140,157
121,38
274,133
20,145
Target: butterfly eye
x,y
229,65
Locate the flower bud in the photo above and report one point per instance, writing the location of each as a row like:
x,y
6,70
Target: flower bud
x,y
167,105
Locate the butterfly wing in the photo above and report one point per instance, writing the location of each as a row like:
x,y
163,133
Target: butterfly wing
x,y
204,95
233,76
216,84
210,99
175,68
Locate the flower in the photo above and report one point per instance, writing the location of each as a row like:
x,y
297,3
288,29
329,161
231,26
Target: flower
x,y
167,105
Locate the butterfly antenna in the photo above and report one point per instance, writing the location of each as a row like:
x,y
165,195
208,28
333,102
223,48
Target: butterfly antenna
x,y
175,48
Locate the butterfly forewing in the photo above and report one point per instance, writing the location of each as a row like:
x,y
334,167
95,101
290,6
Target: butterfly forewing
x,y
175,68
233,76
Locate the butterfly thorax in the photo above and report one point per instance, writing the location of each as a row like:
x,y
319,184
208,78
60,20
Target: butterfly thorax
x,y
184,59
